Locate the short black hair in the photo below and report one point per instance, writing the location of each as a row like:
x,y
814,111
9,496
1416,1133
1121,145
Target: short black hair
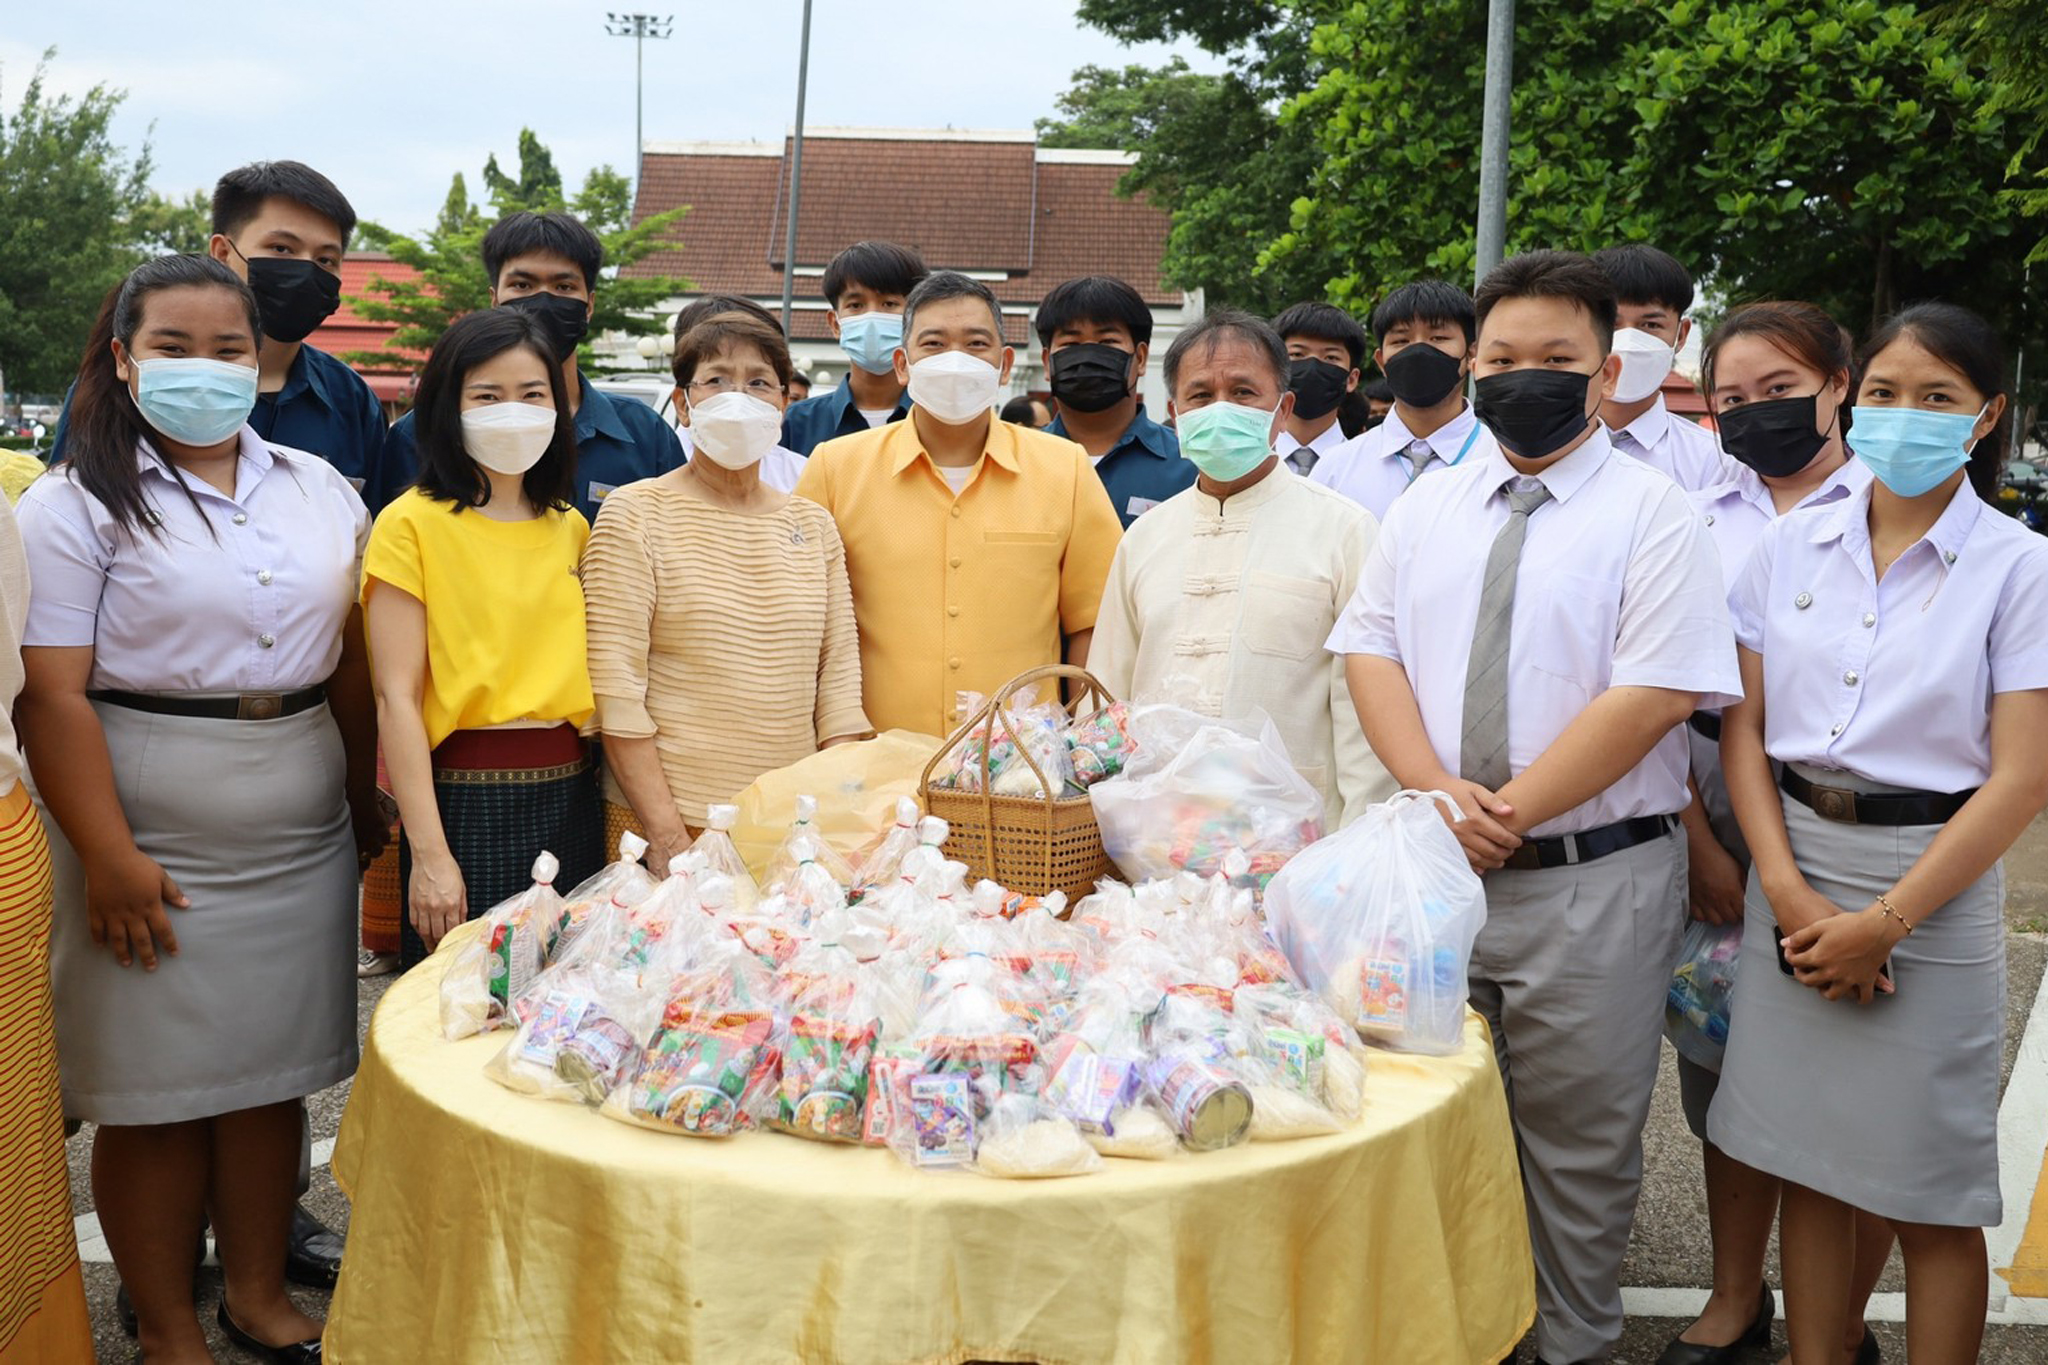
x,y
556,233
948,284
1019,410
883,267
1324,322
1377,389
1098,299
446,470
1551,275
711,305
1213,327
1643,274
1425,301
238,196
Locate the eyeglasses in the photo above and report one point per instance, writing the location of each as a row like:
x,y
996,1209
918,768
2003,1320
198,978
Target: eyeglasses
x,y
763,389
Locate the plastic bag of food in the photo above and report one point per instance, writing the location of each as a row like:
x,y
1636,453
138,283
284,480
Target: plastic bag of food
x,y
881,861
1702,988
1221,791
722,857
1379,919
826,1044
1311,1050
1097,1077
709,1067
1101,744
582,1036
498,965
810,889
1023,1139
625,881
804,844
999,743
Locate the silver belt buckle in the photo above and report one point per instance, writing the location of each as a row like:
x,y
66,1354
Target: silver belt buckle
x,y
1835,803
260,706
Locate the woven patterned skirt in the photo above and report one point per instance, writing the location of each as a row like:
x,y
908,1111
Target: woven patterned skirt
x,y
42,1296
505,795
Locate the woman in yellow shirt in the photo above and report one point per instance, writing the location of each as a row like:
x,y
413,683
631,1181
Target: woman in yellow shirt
x,y
476,631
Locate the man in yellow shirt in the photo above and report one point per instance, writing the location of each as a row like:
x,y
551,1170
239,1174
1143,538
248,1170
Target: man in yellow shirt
x,y
977,549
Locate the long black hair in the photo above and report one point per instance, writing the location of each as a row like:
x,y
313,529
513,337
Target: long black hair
x,y
105,425
446,470
1967,344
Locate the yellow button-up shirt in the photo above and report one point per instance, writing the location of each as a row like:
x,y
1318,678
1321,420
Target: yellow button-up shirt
x,y
961,593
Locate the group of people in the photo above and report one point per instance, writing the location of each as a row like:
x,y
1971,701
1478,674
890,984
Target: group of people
x,y
1792,672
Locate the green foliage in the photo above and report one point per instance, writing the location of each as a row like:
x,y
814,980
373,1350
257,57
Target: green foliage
x,y
450,263
162,225
67,195
2008,40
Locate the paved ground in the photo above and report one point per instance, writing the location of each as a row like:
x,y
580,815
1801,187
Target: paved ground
x,y
1669,1250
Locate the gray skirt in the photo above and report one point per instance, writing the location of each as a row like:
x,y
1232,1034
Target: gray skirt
x,y
259,1005
1891,1107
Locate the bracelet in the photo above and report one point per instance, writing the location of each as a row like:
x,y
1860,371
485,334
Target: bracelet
x,y
1886,909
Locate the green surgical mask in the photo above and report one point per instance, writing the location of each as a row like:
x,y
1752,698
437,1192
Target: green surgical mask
x,y
1226,441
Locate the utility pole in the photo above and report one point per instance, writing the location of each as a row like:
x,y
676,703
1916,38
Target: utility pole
x,y
796,173
1493,136
638,27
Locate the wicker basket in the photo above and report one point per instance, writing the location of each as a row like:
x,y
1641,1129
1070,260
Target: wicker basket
x,y
1030,845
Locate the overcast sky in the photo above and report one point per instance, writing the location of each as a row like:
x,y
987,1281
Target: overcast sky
x,y
390,99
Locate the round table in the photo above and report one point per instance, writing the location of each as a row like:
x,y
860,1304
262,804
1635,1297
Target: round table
x,y
493,1226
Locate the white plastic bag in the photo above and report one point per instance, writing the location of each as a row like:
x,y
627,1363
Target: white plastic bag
x,y
1379,919
1702,987
498,964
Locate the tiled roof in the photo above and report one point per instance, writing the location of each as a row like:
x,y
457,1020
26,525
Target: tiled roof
x,y
347,330
983,203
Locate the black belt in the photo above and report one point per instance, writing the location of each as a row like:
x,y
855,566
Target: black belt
x,y
247,706
1846,807
1565,850
1706,725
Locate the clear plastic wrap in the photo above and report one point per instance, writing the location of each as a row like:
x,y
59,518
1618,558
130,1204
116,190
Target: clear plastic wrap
x,y
804,843
1101,744
1379,919
1003,738
497,966
625,881
709,1068
723,857
880,864
1097,1075
1024,1139
582,1035
810,890
1702,988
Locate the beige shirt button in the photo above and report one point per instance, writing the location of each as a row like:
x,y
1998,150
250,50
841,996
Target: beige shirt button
x,y
952,611
955,663
956,510
954,562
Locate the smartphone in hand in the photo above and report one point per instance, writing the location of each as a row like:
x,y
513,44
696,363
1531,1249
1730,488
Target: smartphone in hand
x,y
1778,945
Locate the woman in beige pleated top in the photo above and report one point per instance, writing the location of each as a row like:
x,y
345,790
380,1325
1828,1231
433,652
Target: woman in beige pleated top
x,y
722,640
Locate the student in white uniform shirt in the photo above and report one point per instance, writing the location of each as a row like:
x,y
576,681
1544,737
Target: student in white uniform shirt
x,y
1654,291
1225,592
1895,644
1325,347
1425,330
1555,716
1777,376
781,467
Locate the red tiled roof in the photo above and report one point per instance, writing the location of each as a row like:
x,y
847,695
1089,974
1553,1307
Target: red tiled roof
x,y
977,203
347,330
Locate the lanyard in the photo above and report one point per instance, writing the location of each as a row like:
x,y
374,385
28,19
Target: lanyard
x,y
1463,450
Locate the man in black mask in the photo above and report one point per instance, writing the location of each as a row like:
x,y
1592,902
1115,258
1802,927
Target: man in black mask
x,y
1325,347
546,264
1097,332
284,228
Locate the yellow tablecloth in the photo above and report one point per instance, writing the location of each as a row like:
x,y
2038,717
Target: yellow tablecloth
x,y
491,1226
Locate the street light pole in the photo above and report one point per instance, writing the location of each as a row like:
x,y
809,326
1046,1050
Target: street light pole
x,y
1493,135
638,27
796,172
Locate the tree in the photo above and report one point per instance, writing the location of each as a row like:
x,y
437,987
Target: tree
x,y
2008,39
449,258
161,224
67,195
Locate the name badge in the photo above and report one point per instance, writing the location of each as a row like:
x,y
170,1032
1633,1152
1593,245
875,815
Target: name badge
x,y
599,490
1138,507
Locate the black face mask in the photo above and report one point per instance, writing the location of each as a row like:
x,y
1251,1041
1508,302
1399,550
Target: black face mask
x,y
1318,386
1776,438
292,297
1534,413
1090,376
566,320
1422,376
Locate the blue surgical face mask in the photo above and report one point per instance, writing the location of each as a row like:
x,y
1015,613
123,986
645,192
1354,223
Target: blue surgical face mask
x,y
870,340
193,400
1911,450
1226,441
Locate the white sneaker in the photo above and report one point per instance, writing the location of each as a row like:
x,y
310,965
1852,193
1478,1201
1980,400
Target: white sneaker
x,y
376,964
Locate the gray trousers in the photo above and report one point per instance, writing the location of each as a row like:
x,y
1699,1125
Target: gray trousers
x,y
1570,973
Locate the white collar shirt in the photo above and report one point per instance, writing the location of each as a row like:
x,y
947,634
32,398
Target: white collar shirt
x,y
1683,451
1892,680
1223,608
1378,466
1738,512
1618,587
1327,442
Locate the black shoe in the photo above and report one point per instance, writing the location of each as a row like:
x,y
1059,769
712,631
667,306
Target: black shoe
x,y
298,1353
313,1255
1868,1353
1757,1334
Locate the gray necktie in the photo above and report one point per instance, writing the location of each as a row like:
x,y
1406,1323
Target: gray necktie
x,y
1483,748
1419,455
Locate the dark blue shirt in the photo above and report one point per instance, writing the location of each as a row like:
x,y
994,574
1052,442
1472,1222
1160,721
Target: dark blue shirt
x,y
324,408
618,441
811,423
1144,467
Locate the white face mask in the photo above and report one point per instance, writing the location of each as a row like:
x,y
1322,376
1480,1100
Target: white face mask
x,y
734,429
954,386
1645,361
507,438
